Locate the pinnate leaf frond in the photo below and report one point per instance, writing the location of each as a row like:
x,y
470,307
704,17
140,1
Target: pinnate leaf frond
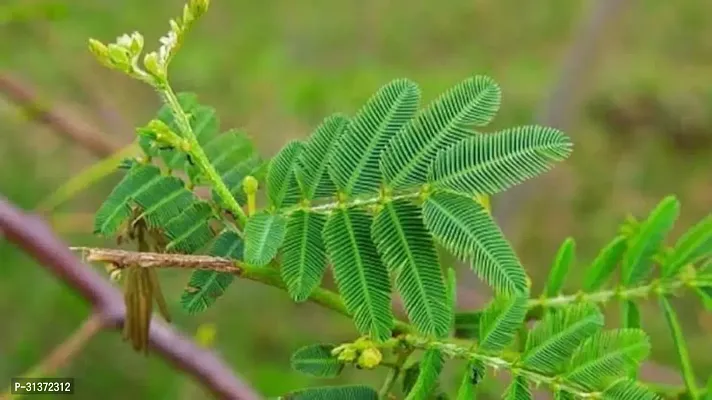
x,y
116,208
555,338
627,389
647,241
312,171
282,186
429,370
445,121
500,321
604,264
466,229
359,149
360,275
694,245
491,163
408,251
518,390
206,286
353,392
317,360
562,264
303,255
264,234
607,355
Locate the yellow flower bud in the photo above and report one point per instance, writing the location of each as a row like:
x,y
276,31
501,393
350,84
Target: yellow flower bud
x,y
347,354
120,57
100,51
250,184
198,7
150,61
370,358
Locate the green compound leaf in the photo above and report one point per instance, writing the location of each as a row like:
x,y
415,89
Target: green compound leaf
x,y
303,254
555,338
647,241
466,229
282,186
206,286
116,209
264,234
688,374
562,264
518,390
604,264
694,245
189,231
317,360
408,251
606,356
360,275
466,390
626,389
163,200
446,121
312,171
431,366
354,392
359,149
500,322
233,155
491,163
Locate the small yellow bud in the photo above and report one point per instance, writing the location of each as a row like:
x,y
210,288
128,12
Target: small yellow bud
x,y
175,26
160,128
370,358
250,184
100,51
185,146
347,354
198,7
136,45
150,61
187,15
120,57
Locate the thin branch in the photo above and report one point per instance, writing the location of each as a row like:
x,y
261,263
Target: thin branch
x,y
33,235
68,349
267,276
21,94
124,258
566,94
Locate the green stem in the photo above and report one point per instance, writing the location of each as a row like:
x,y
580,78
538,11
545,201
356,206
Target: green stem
x,y
655,287
393,374
199,156
324,297
504,361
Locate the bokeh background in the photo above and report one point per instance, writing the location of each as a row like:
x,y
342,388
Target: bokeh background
x,y
640,115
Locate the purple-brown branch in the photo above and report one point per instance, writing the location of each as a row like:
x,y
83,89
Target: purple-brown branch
x,y
21,94
33,235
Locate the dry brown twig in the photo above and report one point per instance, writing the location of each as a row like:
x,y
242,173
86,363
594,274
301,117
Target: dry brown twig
x,y
33,235
25,97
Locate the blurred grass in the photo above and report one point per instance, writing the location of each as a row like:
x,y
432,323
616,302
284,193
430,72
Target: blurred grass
x,y
276,68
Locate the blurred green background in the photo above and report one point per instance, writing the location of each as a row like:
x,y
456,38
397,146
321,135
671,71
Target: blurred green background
x,y
275,68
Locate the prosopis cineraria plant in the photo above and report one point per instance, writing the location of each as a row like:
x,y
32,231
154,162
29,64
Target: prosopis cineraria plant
x,y
373,195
